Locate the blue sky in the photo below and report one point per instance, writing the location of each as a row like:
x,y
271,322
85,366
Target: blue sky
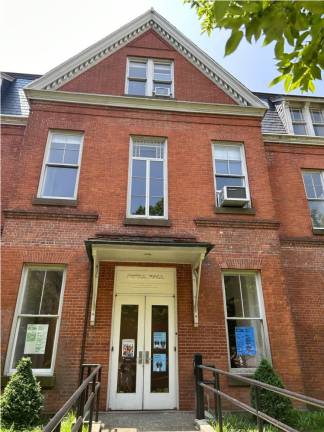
x,y
40,34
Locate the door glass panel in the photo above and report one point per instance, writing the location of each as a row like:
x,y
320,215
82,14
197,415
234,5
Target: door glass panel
x,y
126,382
160,349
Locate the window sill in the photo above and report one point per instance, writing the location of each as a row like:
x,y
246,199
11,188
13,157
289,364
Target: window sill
x,y
150,97
55,202
318,231
46,382
235,210
146,222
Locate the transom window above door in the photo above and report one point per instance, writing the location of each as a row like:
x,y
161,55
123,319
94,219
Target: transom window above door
x,y
148,77
147,190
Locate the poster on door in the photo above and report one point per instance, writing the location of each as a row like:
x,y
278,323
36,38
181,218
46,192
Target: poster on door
x,y
159,340
245,341
128,348
36,336
159,362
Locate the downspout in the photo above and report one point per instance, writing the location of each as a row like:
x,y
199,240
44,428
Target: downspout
x,y
84,336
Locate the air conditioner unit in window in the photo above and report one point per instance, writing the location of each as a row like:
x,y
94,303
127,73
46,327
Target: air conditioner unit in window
x,y
162,91
233,196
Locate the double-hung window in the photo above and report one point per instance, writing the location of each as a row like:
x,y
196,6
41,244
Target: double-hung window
x,y
314,186
36,324
245,320
318,121
229,167
61,167
298,121
147,195
149,77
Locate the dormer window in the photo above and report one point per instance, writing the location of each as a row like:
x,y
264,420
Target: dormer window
x,y
298,122
306,119
318,121
149,77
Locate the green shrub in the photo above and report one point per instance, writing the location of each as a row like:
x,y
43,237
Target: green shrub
x,y
273,404
21,401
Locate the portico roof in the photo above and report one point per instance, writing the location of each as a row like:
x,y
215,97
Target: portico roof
x,y
147,249
170,250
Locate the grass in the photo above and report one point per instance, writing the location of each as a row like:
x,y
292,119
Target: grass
x,y
65,426
303,421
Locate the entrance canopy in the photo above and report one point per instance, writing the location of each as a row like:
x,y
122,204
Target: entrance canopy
x,y
166,250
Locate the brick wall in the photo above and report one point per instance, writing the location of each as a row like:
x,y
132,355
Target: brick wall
x,y
11,146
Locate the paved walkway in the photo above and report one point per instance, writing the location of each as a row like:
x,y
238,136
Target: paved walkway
x,y
148,421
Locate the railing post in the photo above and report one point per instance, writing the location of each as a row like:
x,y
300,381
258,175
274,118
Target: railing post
x,y
200,408
218,403
257,406
93,389
98,395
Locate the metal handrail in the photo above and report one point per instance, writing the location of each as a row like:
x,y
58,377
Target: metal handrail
x,y
202,384
294,395
81,397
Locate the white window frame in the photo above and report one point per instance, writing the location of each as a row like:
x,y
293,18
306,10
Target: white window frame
x,y
305,109
15,329
299,122
244,168
45,163
263,319
321,172
165,174
149,75
321,111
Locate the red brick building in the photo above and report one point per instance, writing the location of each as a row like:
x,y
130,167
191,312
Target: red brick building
x,y
154,207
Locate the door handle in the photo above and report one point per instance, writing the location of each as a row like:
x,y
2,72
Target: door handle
x,y
147,357
140,357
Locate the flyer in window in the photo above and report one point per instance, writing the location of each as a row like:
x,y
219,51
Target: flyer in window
x,y
245,341
159,340
128,348
159,362
36,337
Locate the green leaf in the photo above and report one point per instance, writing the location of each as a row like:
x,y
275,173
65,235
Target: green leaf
x,y
276,80
219,9
279,48
233,41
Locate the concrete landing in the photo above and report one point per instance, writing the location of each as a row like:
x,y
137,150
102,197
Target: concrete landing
x,y
146,421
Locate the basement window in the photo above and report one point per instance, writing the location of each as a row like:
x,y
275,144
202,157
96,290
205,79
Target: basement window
x,y
314,187
149,77
245,321
36,323
61,166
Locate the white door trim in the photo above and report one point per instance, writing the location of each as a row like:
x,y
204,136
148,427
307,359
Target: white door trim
x,y
155,294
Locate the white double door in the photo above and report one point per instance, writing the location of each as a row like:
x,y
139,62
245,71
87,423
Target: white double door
x,y
143,358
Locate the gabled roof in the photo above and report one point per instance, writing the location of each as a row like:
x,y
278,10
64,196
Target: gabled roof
x,y
86,59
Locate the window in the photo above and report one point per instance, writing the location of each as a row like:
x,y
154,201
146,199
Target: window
x,y
36,324
246,326
298,122
147,186
318,122
314,186
229,167
61,168
148,77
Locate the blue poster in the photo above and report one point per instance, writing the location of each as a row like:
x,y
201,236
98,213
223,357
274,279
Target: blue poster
x,y
245,341
159,340
159,362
